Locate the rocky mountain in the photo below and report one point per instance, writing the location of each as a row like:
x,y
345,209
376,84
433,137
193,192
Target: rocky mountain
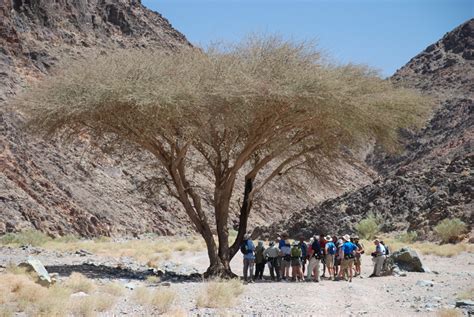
x,y
433,178
79,189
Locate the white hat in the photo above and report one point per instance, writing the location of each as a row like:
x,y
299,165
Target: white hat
x,y
347,237
328,238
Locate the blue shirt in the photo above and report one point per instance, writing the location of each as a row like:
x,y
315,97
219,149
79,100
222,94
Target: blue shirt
x,y
348,247
250,250
281,243
304,249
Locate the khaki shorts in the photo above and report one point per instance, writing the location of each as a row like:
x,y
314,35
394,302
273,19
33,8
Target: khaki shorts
x,y
329,260
357,261
347,263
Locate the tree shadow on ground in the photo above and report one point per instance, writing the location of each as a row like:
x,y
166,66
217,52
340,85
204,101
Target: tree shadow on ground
x,y
108,272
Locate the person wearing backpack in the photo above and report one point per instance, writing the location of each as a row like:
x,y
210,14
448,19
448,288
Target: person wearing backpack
x,y
259,261
314,261
304,253
271,255
296,273
348,249
331,249
285,257
248,248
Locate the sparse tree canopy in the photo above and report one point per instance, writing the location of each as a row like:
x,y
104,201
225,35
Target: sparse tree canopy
x,y
260,108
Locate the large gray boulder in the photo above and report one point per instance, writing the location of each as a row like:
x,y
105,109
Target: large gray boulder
x,y
35,265
408,260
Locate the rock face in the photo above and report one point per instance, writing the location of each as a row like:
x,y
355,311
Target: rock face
x,y
433,178
78,189
58,189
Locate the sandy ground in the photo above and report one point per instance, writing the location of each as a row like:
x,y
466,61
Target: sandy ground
x,y
383,296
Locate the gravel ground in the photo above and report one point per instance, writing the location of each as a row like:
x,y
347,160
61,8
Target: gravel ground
x,y
383,296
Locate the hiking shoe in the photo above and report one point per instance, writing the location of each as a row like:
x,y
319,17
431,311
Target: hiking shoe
x,y
372,275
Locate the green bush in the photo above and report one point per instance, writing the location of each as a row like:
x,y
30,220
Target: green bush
x,y
368,228
29,237
408,237
449,230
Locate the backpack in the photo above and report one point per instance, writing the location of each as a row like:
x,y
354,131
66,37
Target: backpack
x,y
331,248
295,252
244,247
387,251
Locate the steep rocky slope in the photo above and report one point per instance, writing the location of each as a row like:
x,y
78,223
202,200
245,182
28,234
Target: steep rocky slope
x,y
433,178
79,189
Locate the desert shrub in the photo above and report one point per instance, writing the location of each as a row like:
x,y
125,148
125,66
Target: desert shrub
x,y
27,237
103,302
449,230
220,293
79,283
408,237
369,227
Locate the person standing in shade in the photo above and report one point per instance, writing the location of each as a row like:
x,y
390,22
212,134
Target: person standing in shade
x,y
330,251
285,256
304,253
314,260
248,248
358,256
322,243
271,255
378,257
296,272
259,261
348,249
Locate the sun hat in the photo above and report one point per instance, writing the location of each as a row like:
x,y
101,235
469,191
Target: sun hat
x,y
295,243
376,240
356,238
328,238
347,237
246,236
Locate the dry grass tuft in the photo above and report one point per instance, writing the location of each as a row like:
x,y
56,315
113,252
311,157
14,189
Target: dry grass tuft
x,y
449,312
220,293
79,283
82,306
427,248
467,294
112,288
159,298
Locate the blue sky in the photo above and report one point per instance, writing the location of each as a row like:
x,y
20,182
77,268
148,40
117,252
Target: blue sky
x,y
384,34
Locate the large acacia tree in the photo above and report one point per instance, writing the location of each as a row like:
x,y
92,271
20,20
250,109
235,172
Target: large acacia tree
x,y
239,114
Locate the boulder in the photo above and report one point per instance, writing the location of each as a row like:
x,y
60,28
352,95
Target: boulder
x,y
465,303
35,265
408,260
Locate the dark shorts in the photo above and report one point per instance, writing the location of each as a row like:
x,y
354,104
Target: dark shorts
x,y
295,262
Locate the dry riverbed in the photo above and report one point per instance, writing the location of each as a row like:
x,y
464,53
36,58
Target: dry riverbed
x,y
139,293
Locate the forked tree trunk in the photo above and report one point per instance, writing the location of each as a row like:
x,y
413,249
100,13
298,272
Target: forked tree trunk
x,y
220,259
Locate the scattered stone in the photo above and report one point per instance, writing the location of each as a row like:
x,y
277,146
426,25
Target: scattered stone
x,y
83,253
425,283
79,294
465,303
131,286
35,265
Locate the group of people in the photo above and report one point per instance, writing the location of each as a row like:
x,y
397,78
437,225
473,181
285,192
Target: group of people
x,y
340,257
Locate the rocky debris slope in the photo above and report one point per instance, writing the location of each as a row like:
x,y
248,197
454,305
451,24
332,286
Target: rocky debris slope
x,y
78,189
58,189
433,178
